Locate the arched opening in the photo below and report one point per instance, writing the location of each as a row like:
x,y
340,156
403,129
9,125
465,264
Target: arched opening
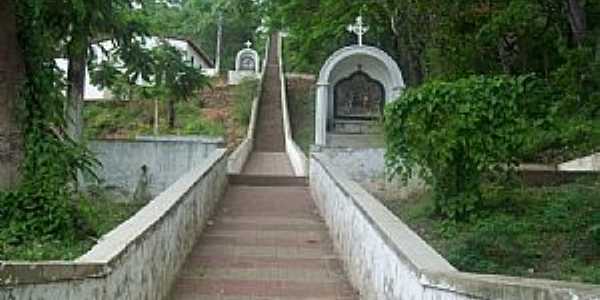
x,y
247,62
358,97
354,85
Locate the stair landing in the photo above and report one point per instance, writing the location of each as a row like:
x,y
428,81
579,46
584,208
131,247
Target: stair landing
x,y
268,163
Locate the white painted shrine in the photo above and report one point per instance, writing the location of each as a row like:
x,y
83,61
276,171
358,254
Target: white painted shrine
x,y
247,65
354,85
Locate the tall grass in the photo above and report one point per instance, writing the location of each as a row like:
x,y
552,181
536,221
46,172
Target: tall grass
x,y
243,97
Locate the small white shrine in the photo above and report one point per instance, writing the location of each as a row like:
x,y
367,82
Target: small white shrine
x,y
352,89
247,65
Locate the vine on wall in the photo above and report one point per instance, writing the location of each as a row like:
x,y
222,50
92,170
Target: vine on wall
x,y
42,206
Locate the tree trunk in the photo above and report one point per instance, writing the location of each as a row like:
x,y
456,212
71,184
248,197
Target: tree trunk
x,y
410,62
11,75
171,105
156,117
76,84
576,16
416,69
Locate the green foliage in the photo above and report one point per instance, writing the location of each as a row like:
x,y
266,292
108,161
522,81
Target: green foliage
x,y
567,139
96,213
317,27
448,40
41,207
504,242
243,98
192,121
167,74
197,20
579,79
452,133
515,229
301,103
128,119
174,74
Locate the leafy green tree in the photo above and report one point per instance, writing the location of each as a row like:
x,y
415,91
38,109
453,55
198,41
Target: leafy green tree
x,y
41,207
448,40
453,133
197,20
317,28
161,72
177,77
86,21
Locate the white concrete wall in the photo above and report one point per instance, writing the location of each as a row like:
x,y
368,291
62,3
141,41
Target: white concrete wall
x,y
387,260
297,157
166,159
358,164
139,259
239,157
588,163
236,77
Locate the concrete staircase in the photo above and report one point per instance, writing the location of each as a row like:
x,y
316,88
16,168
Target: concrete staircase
x,y
267,240
269,135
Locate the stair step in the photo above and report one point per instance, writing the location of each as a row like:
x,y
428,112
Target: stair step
x,y
267,180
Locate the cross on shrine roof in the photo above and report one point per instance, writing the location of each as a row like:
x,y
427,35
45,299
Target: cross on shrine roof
x,y
359,28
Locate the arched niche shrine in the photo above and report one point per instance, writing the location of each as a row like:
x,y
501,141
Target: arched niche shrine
x,y
354,85
247,64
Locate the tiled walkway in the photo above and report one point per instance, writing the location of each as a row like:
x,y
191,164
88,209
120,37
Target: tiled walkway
x,y
267,241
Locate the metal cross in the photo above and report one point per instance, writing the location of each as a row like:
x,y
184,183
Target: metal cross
x,y
248,44
359,28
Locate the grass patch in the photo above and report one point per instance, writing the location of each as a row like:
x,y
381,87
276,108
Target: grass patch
x,y
301,104
243,98
97,214
128,119
540,232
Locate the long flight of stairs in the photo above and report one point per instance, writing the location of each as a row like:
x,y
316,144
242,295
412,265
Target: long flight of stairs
x,y
267,240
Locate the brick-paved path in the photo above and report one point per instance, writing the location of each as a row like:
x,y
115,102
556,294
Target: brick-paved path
x,y
267,241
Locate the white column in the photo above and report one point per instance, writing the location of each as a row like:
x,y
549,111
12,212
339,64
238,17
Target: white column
x,y
321,114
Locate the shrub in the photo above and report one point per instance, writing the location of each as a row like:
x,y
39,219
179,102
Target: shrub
x,y
495,242
451,133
